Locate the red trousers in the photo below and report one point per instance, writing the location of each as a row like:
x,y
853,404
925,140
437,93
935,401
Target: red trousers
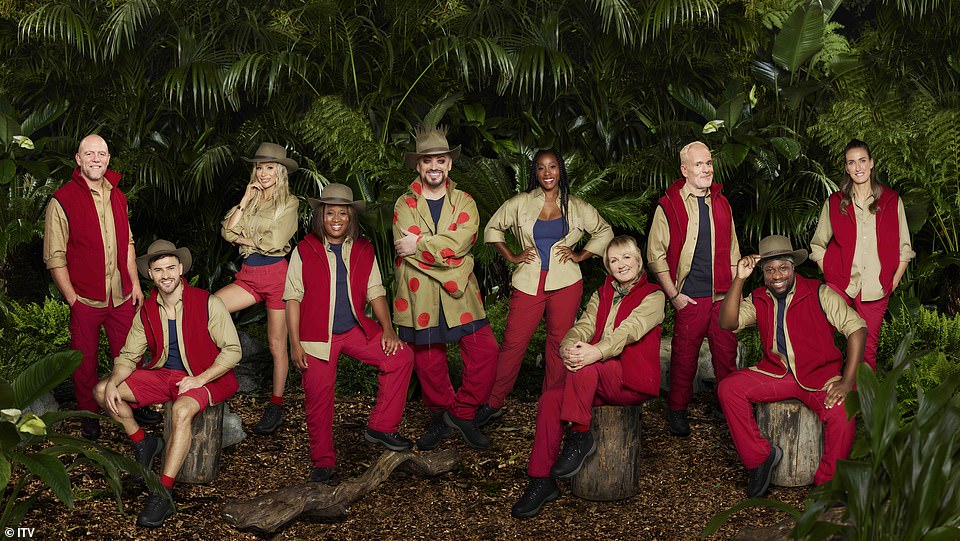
x,y
526,311
85,323
598,384
320,378
872,312
740,390
479,353
694,323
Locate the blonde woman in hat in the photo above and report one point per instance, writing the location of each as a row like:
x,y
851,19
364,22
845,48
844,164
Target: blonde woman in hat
x,y
797,318
261,225
333,276
438,300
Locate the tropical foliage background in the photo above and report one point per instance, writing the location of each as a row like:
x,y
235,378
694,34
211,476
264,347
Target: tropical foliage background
x,y
182,89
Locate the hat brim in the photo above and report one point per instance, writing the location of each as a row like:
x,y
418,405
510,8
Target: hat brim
x,y
411,158
798,256
314,203
286,162
182,253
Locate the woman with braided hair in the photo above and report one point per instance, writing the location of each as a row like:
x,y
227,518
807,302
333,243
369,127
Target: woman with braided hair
x,y
548,223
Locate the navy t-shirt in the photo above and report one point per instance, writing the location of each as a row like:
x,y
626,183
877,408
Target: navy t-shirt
x,y
174,361
699,282
343,319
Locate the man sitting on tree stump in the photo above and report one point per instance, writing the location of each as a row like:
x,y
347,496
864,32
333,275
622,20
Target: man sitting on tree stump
x,y
796,317
193,346
612,354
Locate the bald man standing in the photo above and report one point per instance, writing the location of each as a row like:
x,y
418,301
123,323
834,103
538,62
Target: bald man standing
x,y
88,248
693,250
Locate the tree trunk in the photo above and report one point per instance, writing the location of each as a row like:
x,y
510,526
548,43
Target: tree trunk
x,y
611,473
203,459
270,512
797,430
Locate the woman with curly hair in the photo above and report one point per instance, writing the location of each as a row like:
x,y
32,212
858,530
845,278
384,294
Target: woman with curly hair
x,y
548,223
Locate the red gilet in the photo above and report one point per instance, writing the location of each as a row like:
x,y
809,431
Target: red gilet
x,y
315,306
838,259
201,350
677,219
641,359
817,358
85,254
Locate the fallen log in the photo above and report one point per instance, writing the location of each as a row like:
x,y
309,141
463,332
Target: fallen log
x,y
272,511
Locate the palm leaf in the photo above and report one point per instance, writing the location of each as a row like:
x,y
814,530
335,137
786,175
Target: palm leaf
x,y
801,36
50,470
42,376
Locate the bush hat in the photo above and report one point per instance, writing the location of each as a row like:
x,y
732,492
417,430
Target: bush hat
x,y
777,246
272,152
336,194
159,248
431,141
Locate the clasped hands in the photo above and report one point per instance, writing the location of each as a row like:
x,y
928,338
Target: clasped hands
x,y
580,354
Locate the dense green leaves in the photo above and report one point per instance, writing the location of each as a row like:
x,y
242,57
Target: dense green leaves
x,y
801,36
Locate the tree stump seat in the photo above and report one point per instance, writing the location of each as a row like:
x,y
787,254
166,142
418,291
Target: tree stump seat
x,y
794,427
202,463
612,473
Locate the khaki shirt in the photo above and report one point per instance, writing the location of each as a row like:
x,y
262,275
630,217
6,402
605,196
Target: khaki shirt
x,y
269,225
839,314
219,325
865,270
641,320
56,233
520,213
293,291
659,239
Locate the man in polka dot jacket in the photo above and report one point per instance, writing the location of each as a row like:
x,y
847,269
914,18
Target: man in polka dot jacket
x,y
438,300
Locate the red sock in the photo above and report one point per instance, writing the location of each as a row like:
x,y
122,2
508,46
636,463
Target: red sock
x,y
137,436
166,481
278,400
574,427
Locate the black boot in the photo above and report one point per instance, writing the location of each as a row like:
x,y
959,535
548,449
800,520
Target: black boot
x,y
270,421
486,414
437,430
577,446
390,440
677,422
759,479
471,434
145,452
155,511
539,491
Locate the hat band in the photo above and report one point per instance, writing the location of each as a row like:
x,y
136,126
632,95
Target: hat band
x,y
336,200
434,150
268,158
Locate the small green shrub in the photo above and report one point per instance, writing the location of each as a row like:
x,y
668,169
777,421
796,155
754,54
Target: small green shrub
x,y
32,331
355,378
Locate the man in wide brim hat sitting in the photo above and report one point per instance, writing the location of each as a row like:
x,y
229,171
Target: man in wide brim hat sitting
x,y
193,348
797,318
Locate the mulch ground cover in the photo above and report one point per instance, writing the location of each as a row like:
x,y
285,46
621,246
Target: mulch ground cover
x,y
684,482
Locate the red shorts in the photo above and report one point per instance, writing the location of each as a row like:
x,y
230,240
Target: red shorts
x,y
264,283
160,385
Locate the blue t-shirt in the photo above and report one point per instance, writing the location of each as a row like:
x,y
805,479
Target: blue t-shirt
x,y
699,282
343,319
174,361
546,233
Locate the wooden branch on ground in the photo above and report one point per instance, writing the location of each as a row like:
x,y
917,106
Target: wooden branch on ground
x,y
270,512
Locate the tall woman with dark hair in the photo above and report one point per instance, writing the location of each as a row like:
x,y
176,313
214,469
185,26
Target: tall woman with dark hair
x,y
548,223
862,242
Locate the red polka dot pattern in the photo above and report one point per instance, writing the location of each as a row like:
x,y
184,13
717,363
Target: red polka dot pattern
x,y
463,218
423,319
454,261
412,202
414,284
447,253
465,318
452,227
397,261
395,217
450,286
424,266
414,229
417,187
400,304
428,257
